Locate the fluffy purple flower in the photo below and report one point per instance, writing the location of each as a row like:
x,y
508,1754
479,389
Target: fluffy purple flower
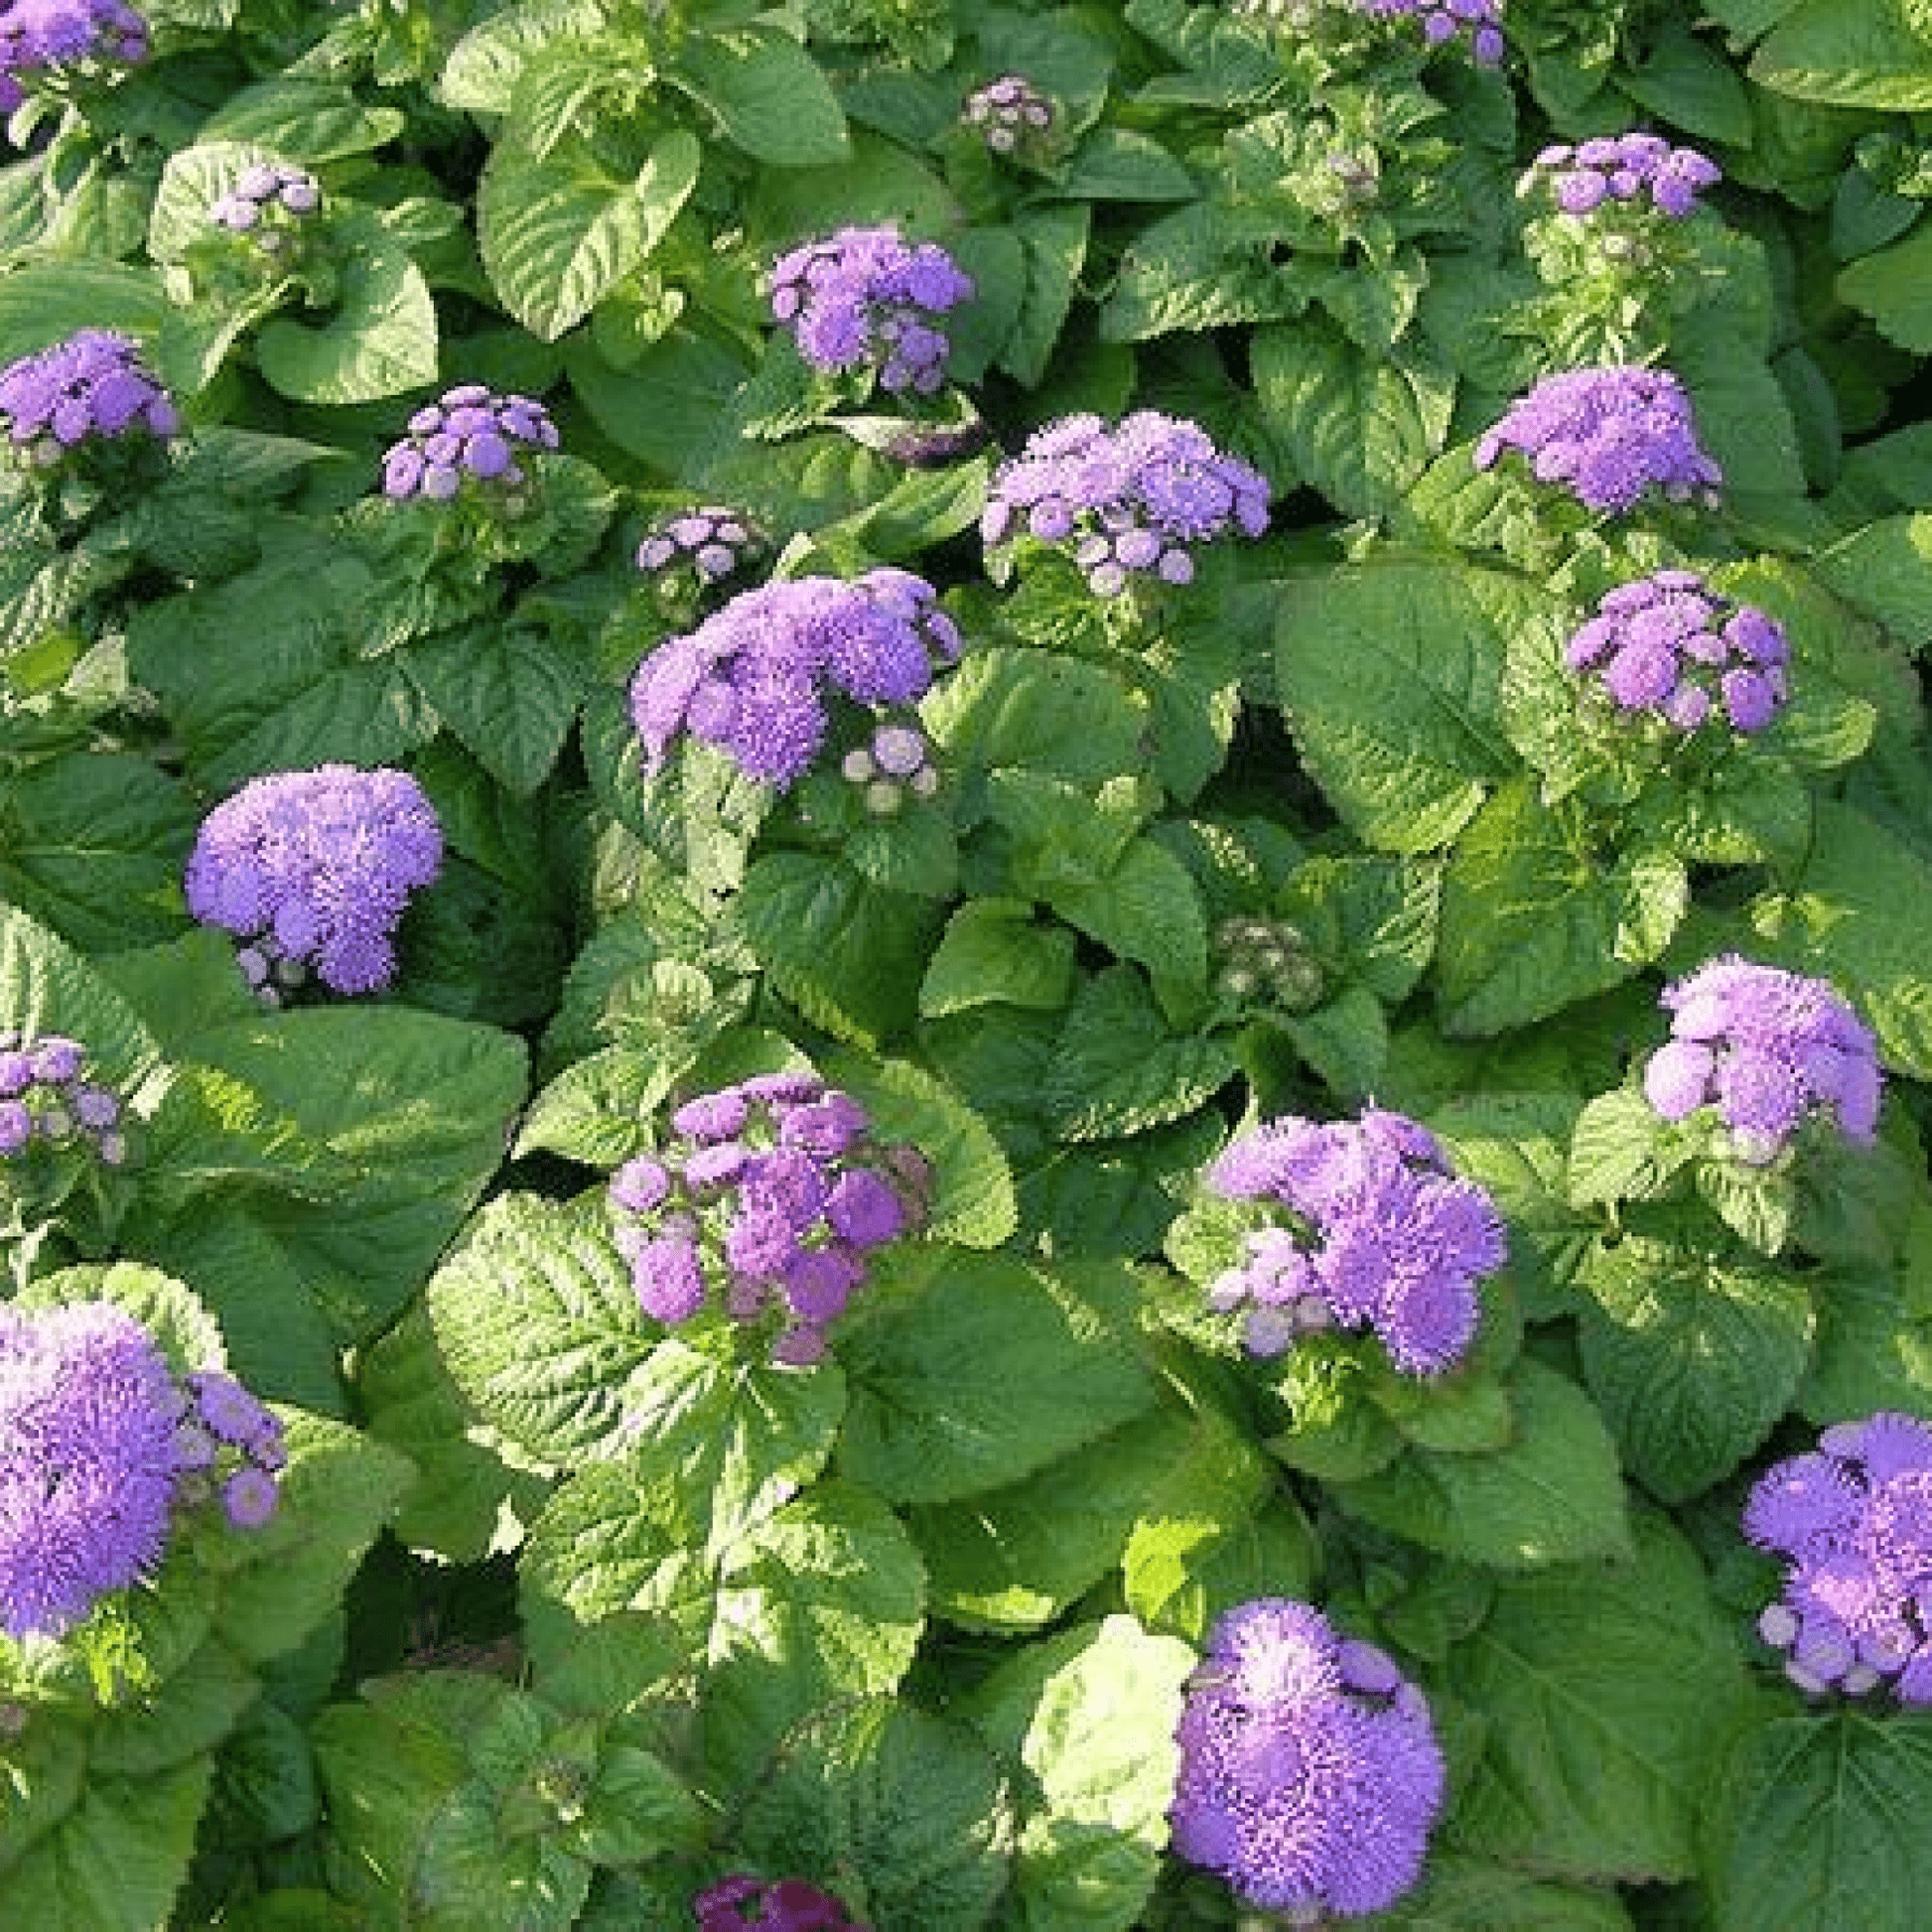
x,y
865,298
267,202
1127,500
1768,1049
471,432
746,1905
320,866
1609,436
1009,115
773,1225
1855,1519
89,389
66,36
88,1465
1625,170
1442,21
754,678
1310,1774
1377,1233
1670,646
51,1096
712,542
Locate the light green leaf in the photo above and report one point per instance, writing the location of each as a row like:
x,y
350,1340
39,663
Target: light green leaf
x,y
994,954
1605,1688
1147,908
1620,1149
1553,1495
979,1370
769,96
1850,53
380,342
559,230
1693,1357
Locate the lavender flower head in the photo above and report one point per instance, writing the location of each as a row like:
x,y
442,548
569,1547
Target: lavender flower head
x,y
712,542
1768,1049
893,764
1376,1233
754,678
87,391
1609,436
1310,1774
747,1904
267,202
62,38
314,871
1126,500
763,1204
1010,114
1669,647
102,1448
1633,171
1480,22
866,298
49,1096
1855,1518
470,433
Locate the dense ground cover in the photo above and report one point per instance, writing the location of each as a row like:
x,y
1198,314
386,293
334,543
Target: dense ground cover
x,y
979,954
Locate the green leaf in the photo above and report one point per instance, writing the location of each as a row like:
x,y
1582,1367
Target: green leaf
x,y
1885,571
1553,1495
380,342
540,1327
558,231
1850,53
485,65
1056,244
1605,1688
1815,1822
1873,1350
1621,1151
45,302
48,988
1101,1749
979,1370
1119,1068
847,953
117,1859
1534,920
1389,675
1039,712
1857,915
769,96
994,954
1463,1894
908,1809
509,695
1146,909
302,120
1692,1358
1360,428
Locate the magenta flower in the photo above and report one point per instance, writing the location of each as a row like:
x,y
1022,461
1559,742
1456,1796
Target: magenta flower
x,y
1377,1233
1768,1049
746,1905
1609,436
1310,1774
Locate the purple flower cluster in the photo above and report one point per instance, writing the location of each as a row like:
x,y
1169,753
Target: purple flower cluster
x,y
52,36
896,761
1008,113
90,387
1480,20
866,298
1124,501
100,1446
470,432
1379,1234
46,1094
747,1904
1671,646
315,870
1625,169
1609,435
772,1193
1855,1516
1309,1772
752,678
266,198
1766,1049
713,541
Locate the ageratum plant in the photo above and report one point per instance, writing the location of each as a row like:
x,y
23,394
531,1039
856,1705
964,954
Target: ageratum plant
x,y
1091,857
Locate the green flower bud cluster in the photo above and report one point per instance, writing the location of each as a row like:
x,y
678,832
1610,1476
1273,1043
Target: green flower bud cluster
x,y
1269,963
